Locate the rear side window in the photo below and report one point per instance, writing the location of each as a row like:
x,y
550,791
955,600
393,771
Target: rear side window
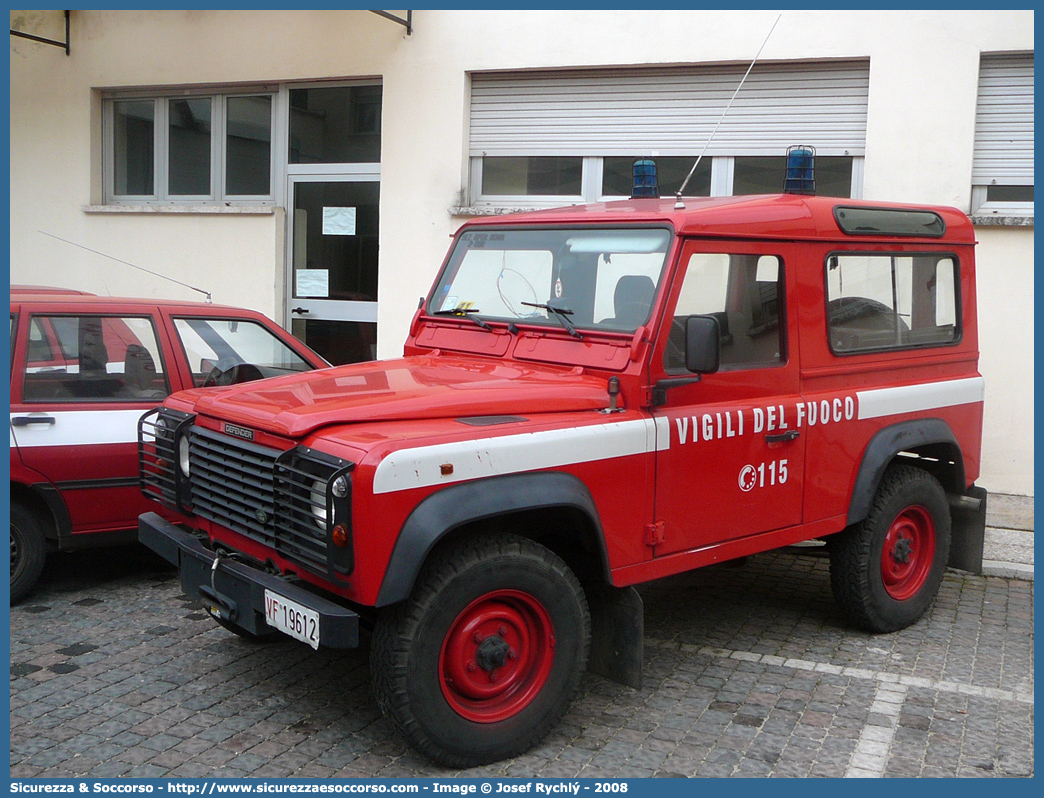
x,y
93,359
885,301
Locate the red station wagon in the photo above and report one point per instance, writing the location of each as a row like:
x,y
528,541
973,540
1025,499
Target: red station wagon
x,y
84,370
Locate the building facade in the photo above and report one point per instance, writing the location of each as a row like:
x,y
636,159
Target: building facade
x,y
312,164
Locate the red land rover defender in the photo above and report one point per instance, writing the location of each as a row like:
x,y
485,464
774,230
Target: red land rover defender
x,y
591,398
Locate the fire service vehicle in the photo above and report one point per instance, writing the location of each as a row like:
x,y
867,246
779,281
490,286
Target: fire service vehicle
x,y
591,398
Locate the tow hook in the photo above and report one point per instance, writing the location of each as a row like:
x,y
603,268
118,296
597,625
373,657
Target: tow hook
x,y
214,602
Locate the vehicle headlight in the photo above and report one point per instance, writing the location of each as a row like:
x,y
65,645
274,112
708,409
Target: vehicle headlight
x,y
183,455
317,500
339,487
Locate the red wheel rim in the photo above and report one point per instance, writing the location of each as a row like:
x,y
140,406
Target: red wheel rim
x,y
496,656
909,550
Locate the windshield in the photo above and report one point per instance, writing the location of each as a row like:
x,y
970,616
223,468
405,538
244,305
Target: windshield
x,y
592,278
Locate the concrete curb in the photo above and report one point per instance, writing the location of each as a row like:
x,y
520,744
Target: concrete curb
x,y
1007,570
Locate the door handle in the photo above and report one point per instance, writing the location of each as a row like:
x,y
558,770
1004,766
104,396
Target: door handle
x,y
783,437
25,421
302,311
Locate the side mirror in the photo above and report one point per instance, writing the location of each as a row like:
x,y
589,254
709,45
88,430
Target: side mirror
x,y
702,344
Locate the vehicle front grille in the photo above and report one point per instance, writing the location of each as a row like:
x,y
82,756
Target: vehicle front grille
x,y
233,483
279,498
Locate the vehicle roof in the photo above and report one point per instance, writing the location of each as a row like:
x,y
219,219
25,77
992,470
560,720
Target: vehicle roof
x,y
754,216
88,301
47,289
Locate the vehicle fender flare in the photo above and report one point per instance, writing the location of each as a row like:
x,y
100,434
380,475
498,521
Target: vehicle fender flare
x,y
31,486
886,444
454,506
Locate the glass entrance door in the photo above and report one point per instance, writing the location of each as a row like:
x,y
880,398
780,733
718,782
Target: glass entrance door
x,y
333,230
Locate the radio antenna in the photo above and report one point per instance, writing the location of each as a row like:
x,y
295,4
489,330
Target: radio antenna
x,y
132,265
679,204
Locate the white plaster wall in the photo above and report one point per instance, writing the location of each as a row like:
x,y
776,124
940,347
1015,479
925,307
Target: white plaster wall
x,y
1004,263
924,67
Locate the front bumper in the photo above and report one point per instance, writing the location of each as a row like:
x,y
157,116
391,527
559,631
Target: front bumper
x,y
235,591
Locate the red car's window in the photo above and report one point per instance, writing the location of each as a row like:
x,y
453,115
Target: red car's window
x,y
93,359
743,292
216,347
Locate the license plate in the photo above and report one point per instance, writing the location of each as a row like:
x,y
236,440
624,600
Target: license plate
x,y
291,618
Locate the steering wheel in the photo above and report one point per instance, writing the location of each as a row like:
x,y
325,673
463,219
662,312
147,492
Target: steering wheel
x,y
233,375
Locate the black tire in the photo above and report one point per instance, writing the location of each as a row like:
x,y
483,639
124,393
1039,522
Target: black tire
x,y
28,550
486,655
885,589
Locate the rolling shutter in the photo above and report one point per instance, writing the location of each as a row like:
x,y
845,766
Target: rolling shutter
x,y
672,111
1004,121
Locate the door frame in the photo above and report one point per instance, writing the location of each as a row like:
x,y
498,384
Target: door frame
x,y
328,309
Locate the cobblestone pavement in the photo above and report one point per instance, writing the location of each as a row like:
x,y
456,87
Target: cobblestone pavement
x,y
749,671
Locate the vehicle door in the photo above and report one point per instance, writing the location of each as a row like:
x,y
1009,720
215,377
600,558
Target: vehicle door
x,y
730,455
80,382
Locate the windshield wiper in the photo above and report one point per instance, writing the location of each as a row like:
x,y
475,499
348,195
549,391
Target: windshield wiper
x,y
562,314
463,313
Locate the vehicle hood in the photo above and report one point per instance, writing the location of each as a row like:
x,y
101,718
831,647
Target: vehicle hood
x,y
412,388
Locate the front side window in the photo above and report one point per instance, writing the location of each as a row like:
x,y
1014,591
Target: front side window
x,y
744,292
93,359
597,279
248,350
205,149
879,302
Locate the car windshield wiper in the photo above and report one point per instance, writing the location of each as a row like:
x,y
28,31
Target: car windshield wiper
x,y
562,314
463,313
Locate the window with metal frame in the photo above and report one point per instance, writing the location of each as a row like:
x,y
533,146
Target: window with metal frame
x,y
744,292
550,138
888,301
93,359
1002,168
186,148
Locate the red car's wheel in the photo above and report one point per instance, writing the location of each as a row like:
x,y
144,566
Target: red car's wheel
x,y
886,570
908,553
28,550
486,654
497,656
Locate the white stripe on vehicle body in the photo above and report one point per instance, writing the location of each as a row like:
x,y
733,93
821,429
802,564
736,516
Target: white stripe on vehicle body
x,y
511,454
421,466
79,428
923,396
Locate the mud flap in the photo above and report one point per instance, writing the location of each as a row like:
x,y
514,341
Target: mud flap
x,y
967,530
617,634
